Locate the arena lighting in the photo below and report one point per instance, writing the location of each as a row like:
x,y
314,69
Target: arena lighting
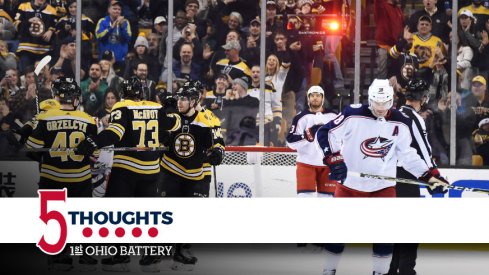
x,y
330,25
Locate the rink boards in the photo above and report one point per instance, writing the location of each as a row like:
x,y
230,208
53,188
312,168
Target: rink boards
x,y
19,179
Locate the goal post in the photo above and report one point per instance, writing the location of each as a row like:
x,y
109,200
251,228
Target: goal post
x,y
255,171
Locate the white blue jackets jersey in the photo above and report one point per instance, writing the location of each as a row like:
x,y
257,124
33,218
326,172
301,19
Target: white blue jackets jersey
x,y
307,152
371,145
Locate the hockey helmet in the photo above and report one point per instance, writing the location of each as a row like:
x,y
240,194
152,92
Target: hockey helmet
x,y
132,89
315,89
188,92
66,89
416,89
380,96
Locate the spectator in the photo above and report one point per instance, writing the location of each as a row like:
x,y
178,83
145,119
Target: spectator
x,y
478,100
439,19
464,59
7,28
467,29
192,9
148,85
108,74
181,22
479,11
439,85
10,84
273,107
35,31
402,65
482,53
481,140
185,67
67,58
189,36
235,110
8,60
160,25
66,25
271,19
214,99
93,89
138,55
23,104
110,99
114,34
233,65
251,52
145,19
424,45
6,124
388,26
220,53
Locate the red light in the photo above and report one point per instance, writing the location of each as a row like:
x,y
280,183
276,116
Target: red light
x,y
334,26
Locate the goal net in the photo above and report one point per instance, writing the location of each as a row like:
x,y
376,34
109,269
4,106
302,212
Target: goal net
x,y
253,171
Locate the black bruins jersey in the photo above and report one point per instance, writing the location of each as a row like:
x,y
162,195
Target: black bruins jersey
x,y
62,129
188,147
31,32
137,124
216,131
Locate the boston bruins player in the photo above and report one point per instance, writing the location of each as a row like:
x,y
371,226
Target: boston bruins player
x,y
213,120
133,123
62,126
183,167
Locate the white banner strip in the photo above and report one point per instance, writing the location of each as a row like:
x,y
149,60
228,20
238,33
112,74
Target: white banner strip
x,y
277,220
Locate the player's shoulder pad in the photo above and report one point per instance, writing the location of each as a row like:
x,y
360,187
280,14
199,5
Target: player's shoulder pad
x,y
150,103
202,120
122,104
356,110
300,115
213,118
399,116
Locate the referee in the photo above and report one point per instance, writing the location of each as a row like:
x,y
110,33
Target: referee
x,y
404,255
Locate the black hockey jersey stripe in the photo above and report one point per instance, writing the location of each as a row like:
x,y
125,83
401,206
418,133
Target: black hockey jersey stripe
x,y
193,174
66,175
34,143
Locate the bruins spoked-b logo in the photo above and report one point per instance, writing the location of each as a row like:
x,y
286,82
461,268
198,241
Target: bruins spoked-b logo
x,y
184,145
377,147
37,27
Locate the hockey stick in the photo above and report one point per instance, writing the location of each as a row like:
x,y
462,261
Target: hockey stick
x,y
417,182
113,149
44,61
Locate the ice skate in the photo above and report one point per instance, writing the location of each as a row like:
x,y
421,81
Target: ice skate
x,y
150,263
183,259
61,262
116,263
329,272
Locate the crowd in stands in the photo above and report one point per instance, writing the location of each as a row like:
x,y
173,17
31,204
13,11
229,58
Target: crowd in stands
x,y
218,43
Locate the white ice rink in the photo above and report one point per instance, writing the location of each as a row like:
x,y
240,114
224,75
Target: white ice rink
x,y
287,259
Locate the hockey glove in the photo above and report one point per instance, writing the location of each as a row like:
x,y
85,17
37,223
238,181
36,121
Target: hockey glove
x,y
337,167
310,133
86,147
215,156
438,184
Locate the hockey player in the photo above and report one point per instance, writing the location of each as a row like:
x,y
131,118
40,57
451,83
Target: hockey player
x,y
383,136
184,169
64,127
404,256
26,129
133,123
312,174
214,121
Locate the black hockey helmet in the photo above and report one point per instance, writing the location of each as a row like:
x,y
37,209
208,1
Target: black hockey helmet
x,y
131,88
416,89
188,92
66,89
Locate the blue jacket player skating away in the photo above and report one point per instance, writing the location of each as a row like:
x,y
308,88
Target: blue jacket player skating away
x,y
372,138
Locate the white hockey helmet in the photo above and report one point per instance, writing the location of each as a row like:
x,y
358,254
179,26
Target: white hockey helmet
x,y
315,89
380,97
